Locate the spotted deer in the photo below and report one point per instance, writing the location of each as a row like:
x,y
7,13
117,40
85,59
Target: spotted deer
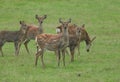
x,y
34,30
16,37
83,37
53,42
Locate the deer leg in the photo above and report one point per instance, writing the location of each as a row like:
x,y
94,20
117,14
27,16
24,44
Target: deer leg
x,y
78,47
15,44
72,54
43,65
66,51
25,43
1,44
39,53
63,56
1,51
36,57
42,60
37,48
17,47
58,56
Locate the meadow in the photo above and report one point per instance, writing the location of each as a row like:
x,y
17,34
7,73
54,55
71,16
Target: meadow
x,y
101,19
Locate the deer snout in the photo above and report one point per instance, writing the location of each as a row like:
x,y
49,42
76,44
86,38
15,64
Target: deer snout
x,y
65,27
41,22
24,31
88,47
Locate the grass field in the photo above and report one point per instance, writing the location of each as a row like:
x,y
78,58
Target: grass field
x,y
101,64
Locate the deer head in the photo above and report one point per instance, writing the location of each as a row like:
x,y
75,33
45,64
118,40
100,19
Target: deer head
x,y
23,27
65,30
78,32
40,19
85,36
90,43
65,24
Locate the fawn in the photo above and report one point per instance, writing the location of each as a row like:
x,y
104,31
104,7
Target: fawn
x,y
53,42
16,37
34,30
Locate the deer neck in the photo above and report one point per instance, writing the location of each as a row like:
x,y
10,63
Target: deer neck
x,y
66,35
87,40
40,28
22,35
20,32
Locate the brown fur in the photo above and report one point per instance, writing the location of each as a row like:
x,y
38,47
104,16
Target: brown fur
x,y
34,30
16,37
53,42
74,42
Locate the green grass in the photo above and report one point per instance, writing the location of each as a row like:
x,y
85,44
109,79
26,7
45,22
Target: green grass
x,y
101,64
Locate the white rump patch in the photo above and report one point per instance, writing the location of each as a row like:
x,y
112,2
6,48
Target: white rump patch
x,y
57,30
39,49
36,39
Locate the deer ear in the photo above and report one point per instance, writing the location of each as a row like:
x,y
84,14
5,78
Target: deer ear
x,y
69,20
36,16
45,16
83,26
21,22
60,20
93,39
75,25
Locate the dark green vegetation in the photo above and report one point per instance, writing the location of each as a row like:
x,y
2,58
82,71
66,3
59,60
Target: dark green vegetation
x,y
101,64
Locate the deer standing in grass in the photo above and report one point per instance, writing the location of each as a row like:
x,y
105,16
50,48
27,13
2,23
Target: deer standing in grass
x,y
73,43
16,37
34,30
85,37
53,42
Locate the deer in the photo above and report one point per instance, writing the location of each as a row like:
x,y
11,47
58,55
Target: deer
x,y
74,39
34,30
53,42
16,37
83,36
